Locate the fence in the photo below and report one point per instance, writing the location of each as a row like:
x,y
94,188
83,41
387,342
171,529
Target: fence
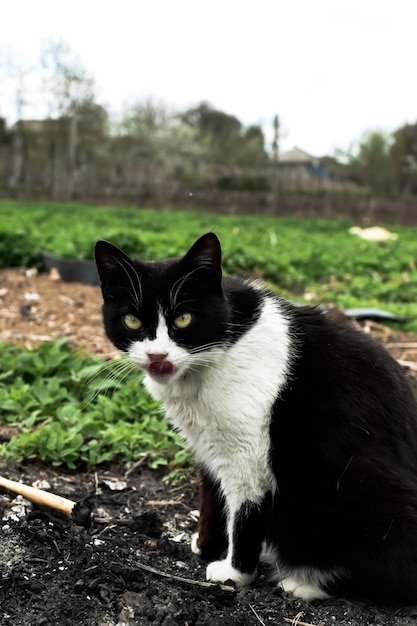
x,y
47,160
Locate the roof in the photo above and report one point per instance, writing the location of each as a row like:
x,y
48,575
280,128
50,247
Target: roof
x,y
296,155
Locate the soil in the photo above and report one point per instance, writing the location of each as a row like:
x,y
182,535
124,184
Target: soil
x,y
127,560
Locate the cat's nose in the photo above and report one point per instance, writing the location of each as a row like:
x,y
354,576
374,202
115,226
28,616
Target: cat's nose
x,y
159,356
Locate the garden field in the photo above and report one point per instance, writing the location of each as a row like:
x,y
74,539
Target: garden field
x,y
297,256
77,422
68,409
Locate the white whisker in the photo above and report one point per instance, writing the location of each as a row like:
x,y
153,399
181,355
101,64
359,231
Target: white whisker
x,y
210,346
137,298
178,285
113,371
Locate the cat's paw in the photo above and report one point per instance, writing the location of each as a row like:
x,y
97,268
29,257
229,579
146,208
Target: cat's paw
x,y
194,546
302,589
220,571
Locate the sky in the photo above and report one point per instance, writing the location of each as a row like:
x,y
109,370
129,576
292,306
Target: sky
x,y
331,69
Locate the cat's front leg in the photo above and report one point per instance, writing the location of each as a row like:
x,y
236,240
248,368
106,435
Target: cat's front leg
x,y
246,531
210,542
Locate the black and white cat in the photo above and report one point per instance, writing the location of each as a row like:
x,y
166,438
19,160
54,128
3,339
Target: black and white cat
x,y
304,429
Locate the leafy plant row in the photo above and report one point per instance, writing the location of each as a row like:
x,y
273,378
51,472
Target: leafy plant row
x,y
73,410
296,256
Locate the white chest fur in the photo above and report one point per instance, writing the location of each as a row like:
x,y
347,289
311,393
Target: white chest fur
x,y
223,409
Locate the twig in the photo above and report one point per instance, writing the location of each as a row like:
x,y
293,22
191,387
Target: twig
x,y
394,344
39,496
112,521
256,614
144,457
181,579
295,621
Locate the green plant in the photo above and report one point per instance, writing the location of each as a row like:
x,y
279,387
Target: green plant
x,y
295,256
75,410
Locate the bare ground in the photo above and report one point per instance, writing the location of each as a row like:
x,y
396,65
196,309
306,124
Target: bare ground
x,y
129,561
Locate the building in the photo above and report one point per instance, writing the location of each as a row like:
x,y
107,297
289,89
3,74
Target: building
x,y
298,168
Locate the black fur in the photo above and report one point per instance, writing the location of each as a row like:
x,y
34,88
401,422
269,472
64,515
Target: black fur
x,y
344,451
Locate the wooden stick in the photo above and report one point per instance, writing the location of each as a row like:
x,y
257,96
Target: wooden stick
x,y
165,503
258,617
188,581
39,496
408,364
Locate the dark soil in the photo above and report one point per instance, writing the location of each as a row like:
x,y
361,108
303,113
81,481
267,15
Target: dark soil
x,y
129,561
132,563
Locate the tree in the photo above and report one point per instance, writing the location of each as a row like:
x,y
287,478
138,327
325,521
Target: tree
x,y
156,150
404,157
14,72
70,93
225,139
372,165
66,81
251,148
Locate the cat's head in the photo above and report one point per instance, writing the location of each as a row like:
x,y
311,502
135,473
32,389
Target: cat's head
x,y
167,315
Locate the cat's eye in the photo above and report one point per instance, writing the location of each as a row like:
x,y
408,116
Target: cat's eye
x,y
182,321
132,322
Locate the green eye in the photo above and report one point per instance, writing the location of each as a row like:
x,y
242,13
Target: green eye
x,y
182,321
132,322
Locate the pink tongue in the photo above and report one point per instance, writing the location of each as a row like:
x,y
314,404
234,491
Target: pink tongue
x,y
160,367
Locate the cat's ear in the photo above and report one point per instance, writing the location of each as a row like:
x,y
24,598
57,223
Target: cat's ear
x,y
110,260
206,254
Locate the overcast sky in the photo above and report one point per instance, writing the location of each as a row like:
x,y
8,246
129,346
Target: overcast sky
x,y
331,69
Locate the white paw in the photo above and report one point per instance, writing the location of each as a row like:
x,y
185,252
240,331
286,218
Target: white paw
x,y
303,590
220,571
194,547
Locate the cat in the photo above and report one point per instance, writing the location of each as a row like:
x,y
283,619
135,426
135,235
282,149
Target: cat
x,y
304,428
